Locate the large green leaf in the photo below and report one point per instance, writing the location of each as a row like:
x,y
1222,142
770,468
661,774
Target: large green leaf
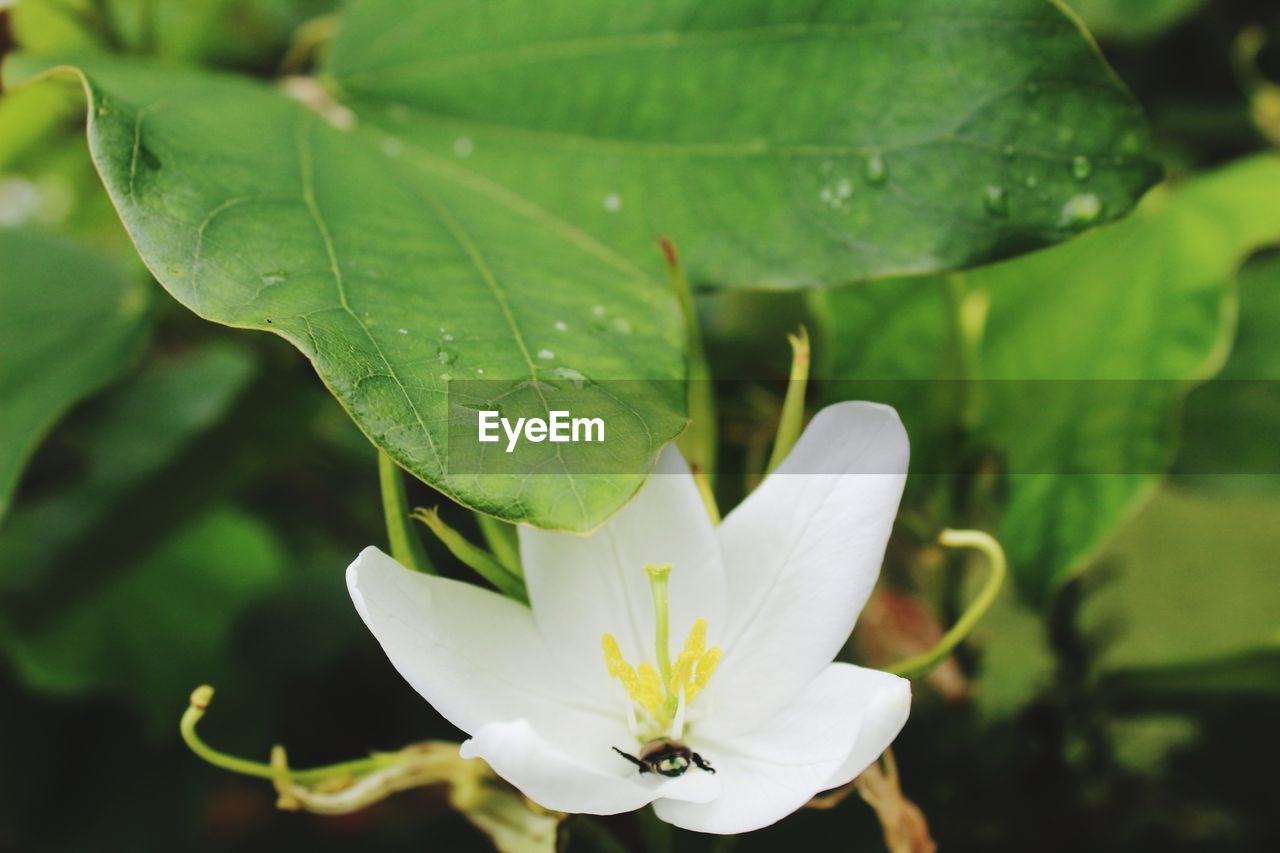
x,y
69,323
781,144
1083,357
1133,19
390,276
482,203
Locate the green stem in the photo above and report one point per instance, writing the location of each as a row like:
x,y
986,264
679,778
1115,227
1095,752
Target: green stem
x,y
502,540
659,576
200,699
308,41
923,664
478,559
792,419
406,547
698,441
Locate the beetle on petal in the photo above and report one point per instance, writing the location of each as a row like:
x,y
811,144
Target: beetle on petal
x,y
575,698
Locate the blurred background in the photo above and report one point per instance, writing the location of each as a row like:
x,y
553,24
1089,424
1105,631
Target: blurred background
x,y
1132,706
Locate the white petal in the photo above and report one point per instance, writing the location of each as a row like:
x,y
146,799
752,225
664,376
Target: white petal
x,y
802,553
774,770
475,655
583,587
555,780
882,719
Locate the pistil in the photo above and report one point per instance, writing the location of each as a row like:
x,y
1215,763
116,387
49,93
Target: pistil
x,y
659,575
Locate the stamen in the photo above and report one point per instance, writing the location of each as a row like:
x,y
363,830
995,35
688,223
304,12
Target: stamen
x,y
706,665
666,691
677,720
650,688
619,668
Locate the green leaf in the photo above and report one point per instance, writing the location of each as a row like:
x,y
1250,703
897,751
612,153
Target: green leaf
x,y
1165,602
1230,424
70,322
485,196
155,630
392,277
780,145
1093,344
1250,676
1133,20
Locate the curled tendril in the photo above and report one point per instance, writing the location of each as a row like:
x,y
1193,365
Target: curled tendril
x,y
923,664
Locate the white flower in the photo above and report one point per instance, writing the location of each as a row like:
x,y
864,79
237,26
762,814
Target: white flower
x,y
767,599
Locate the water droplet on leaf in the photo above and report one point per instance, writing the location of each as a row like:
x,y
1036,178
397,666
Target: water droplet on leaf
x,y
1081,210
572,375
613,202
546,354
876,170
463,146
996,201
1081,167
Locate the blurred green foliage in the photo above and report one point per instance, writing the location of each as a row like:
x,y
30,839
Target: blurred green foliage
x,y
69,322
196,492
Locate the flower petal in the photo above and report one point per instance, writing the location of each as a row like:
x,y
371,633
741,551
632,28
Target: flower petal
x,y
802,553
583,587
555,780
474,655
774,770
883,718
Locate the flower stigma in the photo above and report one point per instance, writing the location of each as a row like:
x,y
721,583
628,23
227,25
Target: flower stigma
x,y
662,693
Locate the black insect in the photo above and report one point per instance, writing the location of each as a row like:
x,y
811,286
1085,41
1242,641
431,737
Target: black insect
x,y
666,757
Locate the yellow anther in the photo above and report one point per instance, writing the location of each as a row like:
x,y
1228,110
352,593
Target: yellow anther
x,y
650,688
613,658
706,666
642,684
697,642
619,668
681,672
